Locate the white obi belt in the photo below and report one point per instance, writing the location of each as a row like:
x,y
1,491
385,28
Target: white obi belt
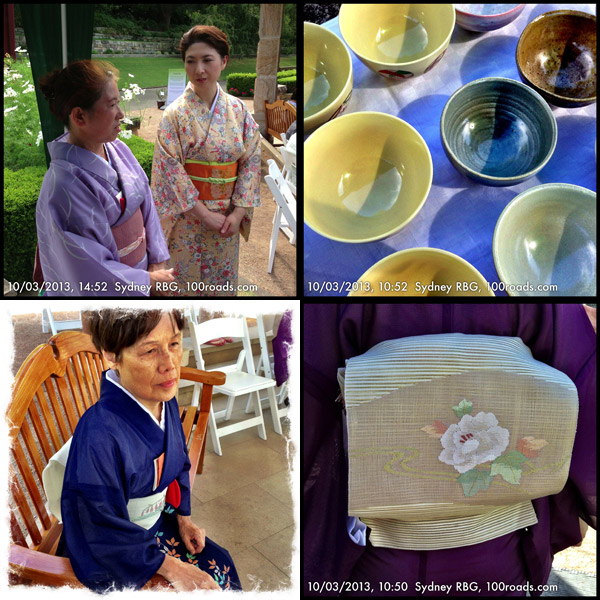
x,y
451,436
144,512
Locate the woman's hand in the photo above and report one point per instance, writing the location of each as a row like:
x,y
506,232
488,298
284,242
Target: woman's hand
x,y
193,537
159,274
232,222
212,220
185,577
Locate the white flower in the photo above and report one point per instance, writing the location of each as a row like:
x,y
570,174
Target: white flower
x,y
9,92
130,75
125,134
127,121
40,138
474,441
30,88
7,110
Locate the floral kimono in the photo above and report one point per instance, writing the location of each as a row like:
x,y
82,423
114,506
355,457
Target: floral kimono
x,y
211,156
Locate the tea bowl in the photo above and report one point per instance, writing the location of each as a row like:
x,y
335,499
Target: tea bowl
x,y
398,41
497,131
327,76
486,17
366,176
422,272
556,56
547,236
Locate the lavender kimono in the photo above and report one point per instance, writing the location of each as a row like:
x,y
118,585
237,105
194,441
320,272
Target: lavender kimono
x,y
336,559
75,212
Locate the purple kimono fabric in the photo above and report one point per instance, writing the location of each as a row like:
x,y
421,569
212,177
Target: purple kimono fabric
x,y
75,212
559,335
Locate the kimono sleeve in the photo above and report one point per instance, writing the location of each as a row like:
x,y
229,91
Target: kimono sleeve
x,y
77,250
246,193
172,189
107,551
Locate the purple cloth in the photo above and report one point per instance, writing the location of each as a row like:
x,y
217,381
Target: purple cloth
x,y
559,335
75,212
281,345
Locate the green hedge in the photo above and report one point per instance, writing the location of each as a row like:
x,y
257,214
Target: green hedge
x,y
21,192
242,84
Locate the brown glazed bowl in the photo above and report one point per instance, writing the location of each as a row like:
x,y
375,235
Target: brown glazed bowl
x,y
556,56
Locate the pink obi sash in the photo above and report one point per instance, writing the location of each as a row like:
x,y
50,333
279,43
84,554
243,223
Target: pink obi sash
x,y
130,238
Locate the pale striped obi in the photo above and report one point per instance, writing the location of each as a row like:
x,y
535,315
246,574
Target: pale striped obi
x,y
451,436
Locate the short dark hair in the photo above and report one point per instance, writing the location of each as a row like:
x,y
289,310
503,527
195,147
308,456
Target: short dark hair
x,y
208,34
79,84
114,329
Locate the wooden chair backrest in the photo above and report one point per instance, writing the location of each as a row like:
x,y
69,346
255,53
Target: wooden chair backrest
x,y
55,385
279,116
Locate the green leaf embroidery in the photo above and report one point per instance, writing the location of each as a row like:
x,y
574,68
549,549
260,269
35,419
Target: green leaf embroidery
x,y
509,467
464,408
474,481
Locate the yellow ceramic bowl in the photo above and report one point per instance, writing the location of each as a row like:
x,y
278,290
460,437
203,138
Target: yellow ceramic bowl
x,y
327,76
398,40
366,175
422,272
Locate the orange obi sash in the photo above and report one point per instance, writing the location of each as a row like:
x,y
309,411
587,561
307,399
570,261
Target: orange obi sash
x,y
213,180
130,238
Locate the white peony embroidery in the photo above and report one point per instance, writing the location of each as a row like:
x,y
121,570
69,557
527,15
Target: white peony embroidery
x,y
475,440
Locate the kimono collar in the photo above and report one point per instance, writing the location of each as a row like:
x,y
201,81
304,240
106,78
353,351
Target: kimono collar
x,y
191,96
112,377
61,149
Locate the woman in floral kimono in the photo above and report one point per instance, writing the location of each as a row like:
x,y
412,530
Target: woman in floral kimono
x,y
206,171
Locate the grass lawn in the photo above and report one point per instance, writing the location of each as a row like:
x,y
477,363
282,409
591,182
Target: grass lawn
x,y
153,71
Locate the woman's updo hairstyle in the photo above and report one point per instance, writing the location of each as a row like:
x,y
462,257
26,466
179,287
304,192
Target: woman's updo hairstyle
x,y
208,34
80,84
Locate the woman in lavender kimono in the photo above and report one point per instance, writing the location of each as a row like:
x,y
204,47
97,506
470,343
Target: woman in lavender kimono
x,y
338,556
98,231
206,171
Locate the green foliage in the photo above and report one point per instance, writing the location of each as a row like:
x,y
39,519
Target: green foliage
x,y
22,131
21,191
242,84
143,152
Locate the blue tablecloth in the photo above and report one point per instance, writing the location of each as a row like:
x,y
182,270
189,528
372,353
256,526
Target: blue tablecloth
x,y
459,215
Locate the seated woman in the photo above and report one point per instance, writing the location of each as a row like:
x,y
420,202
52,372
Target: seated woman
x,y
126,493
98,231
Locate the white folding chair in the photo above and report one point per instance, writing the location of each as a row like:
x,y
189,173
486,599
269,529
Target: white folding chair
x,y
289,168
49,324
265,324
239,381
285,213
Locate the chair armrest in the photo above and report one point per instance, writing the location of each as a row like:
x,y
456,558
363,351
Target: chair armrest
x,y
42,568
209,377
55,571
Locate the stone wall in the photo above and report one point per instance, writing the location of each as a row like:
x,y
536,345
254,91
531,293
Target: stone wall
x,y
120,44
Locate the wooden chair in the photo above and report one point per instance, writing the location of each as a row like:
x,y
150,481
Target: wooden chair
x,y
55,385
279,116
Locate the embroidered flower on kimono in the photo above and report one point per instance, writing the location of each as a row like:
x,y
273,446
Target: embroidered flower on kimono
x,y
475,440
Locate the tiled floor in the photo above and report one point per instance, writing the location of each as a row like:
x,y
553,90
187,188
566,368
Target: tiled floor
x,y
243,500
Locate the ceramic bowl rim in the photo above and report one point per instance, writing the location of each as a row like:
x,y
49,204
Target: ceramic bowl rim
x,y
339,97
428,250
413,214
495,15
433,53
527,29
514,178
510,207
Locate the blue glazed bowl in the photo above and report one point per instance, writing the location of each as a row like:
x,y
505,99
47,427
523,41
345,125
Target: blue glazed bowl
x,y
498,131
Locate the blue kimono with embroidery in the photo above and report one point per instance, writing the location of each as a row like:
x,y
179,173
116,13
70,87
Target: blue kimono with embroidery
x,y
112,460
